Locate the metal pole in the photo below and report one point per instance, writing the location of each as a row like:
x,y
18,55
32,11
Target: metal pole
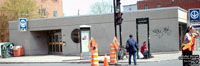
x,y
137,35
148,38
120,31
115,18
137,32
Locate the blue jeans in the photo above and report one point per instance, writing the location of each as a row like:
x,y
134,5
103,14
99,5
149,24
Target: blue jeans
x,y
134,57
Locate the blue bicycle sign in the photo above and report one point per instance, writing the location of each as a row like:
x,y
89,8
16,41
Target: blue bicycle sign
x,y
194,14
22,24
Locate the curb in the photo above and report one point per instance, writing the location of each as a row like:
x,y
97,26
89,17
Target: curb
x,y
71,62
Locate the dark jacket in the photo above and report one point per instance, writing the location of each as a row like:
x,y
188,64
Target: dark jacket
x,y
131,45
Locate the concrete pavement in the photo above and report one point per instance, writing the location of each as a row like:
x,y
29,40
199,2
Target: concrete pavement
x,y
163,63
164,56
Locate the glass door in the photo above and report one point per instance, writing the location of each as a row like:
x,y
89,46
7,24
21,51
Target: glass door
x,y
55,43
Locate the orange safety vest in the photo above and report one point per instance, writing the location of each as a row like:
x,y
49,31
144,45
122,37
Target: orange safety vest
x,y
193,40
190,44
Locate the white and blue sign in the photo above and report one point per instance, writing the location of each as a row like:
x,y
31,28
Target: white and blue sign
x,y
23,24
196,26
194,14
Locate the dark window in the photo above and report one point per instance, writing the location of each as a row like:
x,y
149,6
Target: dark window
x,y
146,7
39,11
50,39
129,9
43,0
57,47
50,48
75,35
55,0
44,12
57,38
158,6
55,13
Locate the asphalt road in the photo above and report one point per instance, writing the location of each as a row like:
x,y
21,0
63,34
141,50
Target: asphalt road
x,y
162,63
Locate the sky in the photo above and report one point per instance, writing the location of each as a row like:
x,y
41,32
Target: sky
x,y
71,7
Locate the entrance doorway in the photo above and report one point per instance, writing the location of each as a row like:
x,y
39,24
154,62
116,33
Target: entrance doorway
x,y
55,42
182,29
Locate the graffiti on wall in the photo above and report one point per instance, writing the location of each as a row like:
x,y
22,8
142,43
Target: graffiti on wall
x,y
160,32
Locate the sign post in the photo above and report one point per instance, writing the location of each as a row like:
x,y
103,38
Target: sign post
x,y
23,26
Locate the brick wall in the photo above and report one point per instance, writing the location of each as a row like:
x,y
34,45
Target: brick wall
x,y
51,6
186,4
1,2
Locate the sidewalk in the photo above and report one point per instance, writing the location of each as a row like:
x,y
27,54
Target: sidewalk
x,y
164,56
76,59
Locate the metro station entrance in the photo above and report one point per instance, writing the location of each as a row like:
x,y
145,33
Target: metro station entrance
x,y
55,42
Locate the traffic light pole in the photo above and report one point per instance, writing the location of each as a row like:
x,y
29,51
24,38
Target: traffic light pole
x,y
115,25
118,21
120,31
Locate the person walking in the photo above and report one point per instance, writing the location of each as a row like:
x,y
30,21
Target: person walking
x,y
188,44
132,48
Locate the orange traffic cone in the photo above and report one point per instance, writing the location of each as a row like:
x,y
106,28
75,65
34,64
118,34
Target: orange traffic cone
x,y
106,60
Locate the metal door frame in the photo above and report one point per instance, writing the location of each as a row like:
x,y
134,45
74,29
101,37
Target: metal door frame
x,y
143,21
54,42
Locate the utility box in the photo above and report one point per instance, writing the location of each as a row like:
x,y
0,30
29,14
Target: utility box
x,y
18,51
6,49
0,49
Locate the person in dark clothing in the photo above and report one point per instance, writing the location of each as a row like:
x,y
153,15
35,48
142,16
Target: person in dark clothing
x,y
132,48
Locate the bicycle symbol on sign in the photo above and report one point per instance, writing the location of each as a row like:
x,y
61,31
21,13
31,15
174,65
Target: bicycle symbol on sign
x,y
194,14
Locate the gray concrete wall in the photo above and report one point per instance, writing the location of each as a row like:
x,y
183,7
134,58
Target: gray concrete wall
x,y
38,43
163,19
35,43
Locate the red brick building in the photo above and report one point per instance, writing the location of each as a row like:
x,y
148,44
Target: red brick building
x,y
186,4
50,8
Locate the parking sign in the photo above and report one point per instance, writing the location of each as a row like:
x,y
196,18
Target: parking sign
x,y
194,15
23,24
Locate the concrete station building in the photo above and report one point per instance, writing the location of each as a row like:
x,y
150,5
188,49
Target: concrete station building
x,y
166,27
